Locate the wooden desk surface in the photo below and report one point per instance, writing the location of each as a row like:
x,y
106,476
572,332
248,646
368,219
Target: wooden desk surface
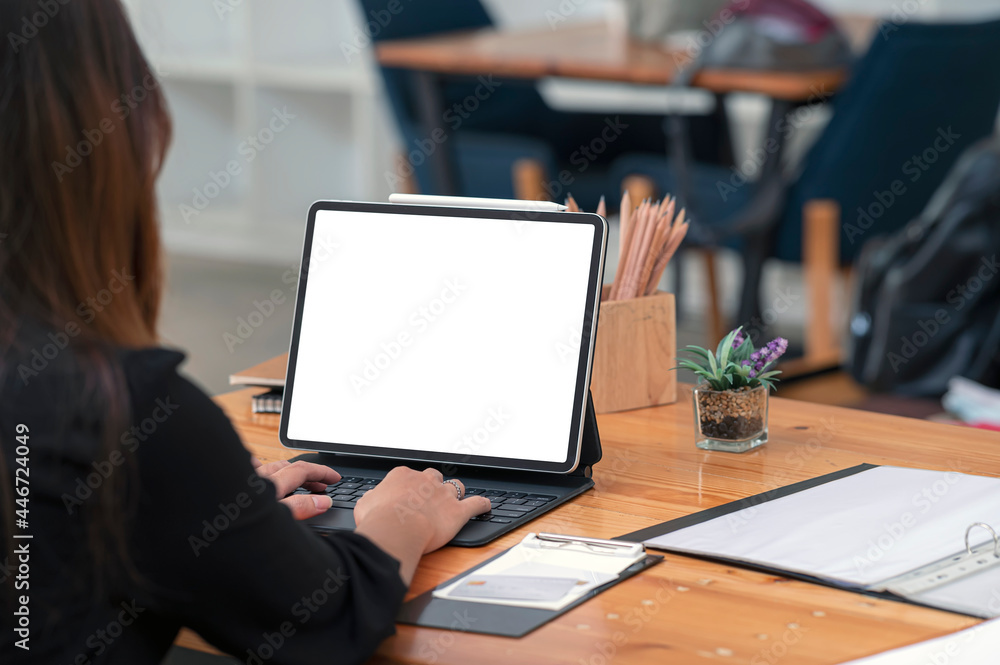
x,y
593,51
686,610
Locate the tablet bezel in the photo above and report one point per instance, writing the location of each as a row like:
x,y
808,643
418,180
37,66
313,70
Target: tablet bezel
x,y
585,360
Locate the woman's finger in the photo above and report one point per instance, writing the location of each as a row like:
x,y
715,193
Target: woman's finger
x,y
270,468
298,474
304,506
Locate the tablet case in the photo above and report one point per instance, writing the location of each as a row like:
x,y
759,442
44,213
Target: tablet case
x,y
502,620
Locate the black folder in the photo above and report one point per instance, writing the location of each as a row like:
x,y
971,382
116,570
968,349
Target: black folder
x,y
502,620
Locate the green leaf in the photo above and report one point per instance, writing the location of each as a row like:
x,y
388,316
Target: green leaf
x,y
725,347
768,375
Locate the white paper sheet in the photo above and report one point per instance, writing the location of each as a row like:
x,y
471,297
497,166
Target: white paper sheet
x,y
526,559
857,531
979,645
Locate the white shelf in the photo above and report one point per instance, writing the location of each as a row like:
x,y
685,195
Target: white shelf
x,y
224,73
223,233
218,69
313,77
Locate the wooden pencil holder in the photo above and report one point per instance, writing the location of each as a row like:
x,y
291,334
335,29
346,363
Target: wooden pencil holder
x,y
636,348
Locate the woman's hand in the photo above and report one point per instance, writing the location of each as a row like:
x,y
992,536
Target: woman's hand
x,y
412,512
288,476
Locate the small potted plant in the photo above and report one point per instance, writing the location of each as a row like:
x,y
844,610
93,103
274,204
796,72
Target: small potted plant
x,y
730,407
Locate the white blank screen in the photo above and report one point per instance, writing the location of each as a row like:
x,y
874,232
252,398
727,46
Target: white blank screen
x,y
441,334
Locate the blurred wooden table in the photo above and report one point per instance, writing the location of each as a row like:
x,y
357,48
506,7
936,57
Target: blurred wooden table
x,y
686,610
589,51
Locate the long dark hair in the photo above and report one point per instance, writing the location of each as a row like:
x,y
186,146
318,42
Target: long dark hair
x,y
83,132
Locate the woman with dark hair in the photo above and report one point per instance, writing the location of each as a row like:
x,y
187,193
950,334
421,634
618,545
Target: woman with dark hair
x,y
129,506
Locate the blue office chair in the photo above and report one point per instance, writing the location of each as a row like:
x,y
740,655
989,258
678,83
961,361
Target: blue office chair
x,y
514,123
920,95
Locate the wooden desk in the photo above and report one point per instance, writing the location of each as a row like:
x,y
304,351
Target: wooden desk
x,y
686,610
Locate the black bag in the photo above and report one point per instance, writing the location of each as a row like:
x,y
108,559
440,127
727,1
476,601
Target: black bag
x,y
927,301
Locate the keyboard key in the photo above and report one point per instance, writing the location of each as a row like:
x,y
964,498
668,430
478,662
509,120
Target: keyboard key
x,y
513,502
516,495
507,513
351,480
367,487
343,504
535,503
471,491
350,486
501,520
540,497
485,517
493,493
524,510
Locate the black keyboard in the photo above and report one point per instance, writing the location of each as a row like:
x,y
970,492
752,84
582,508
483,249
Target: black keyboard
x,y
505,506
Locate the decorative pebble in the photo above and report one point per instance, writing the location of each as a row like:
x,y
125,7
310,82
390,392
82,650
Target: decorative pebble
x,y
723,651
819,613
612,616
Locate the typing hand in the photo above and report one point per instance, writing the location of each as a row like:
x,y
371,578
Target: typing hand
x,y
417,503
288,476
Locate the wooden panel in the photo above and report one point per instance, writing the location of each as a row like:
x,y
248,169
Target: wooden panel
x,y
636,348
686,610
589,51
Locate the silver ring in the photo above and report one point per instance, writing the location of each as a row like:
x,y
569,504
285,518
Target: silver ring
x,y
983,525
458,488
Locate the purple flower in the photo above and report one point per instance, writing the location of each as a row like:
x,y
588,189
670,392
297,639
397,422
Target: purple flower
x,y
738,339
766,355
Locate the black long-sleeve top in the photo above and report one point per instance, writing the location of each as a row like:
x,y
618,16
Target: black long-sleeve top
x,y
214,548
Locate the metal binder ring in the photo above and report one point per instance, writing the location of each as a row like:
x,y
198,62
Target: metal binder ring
x,y
996,538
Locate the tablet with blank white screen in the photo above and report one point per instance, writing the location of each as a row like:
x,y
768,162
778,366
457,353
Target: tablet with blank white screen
x,y
444,334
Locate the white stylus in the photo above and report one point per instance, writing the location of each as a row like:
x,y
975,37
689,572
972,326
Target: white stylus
x,y
471,202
